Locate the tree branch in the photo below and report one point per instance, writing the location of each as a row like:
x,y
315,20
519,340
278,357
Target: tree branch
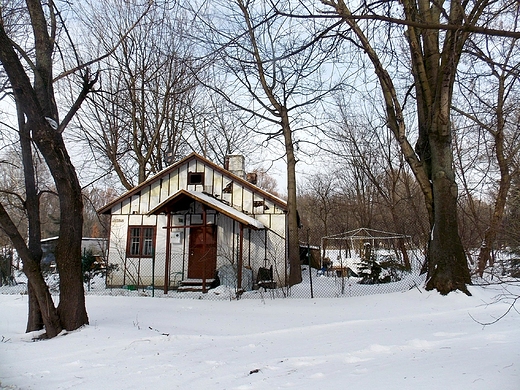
x,y
107,54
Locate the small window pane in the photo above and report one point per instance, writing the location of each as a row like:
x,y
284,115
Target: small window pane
x,y
148,242
148,232
134,246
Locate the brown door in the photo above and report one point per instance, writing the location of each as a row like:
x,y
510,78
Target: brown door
x,y
202,261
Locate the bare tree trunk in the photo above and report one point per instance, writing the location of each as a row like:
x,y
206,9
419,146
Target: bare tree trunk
x,y
433,68
295,272
447,265
34,319
40,295
71,308
38,117
484,257
280,110
504,163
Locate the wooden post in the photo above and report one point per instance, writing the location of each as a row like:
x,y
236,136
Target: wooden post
x,y
168,254
204,233
240,258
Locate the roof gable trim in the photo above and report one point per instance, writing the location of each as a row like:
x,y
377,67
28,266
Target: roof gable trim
x,y
214,204
193,156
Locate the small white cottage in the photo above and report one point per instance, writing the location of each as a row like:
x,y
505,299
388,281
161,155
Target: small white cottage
x,y
196,223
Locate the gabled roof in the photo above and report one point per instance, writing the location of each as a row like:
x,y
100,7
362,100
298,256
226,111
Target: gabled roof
x,y
193,156
365,233
180,197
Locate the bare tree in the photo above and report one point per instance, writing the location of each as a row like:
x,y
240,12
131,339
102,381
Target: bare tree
x,y
141,117
94,224
319,202
488,95
39,124
219,132
375,171
435,34
512,217
253,48
30,32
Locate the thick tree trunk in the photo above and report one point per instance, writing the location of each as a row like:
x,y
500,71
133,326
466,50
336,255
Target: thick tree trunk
x,y
38,106
49,140
293,244
434,66
447,264
71,308
32,205
280,110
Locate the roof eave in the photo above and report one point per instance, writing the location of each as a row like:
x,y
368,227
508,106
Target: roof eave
x,y
276,200
256,225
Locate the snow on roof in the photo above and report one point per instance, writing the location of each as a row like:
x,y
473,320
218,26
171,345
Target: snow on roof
x,y
55,238
365,233
215,204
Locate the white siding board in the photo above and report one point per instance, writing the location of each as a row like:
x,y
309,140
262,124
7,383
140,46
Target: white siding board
x,y
163,188
117,248
125,206
173,182
247,200
160,237
144,200
217,185
237,196
208,180
265,219
278,224
134,204
225,241
155,194
135,219
183,177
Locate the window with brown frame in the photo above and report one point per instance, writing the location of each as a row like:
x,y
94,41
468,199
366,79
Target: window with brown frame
x,y
196,178
141,241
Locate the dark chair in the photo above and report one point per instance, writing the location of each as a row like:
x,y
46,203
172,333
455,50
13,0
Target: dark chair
x,y
265,278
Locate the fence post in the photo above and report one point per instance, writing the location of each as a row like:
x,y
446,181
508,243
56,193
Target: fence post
x,y
309,262
153,272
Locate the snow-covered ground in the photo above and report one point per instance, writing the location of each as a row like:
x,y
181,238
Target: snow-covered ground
x,y
404,340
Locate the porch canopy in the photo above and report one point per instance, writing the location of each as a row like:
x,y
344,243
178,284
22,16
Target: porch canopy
x,y
181,199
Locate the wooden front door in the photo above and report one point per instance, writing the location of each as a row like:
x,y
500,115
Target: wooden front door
x,y
202,261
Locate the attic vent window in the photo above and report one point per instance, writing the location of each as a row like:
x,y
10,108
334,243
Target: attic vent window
x,y
196,178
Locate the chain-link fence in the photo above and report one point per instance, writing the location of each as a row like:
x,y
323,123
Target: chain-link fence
x,y
252,266
348,265
313,285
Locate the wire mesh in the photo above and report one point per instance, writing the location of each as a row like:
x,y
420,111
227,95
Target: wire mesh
x,y
326,272
340,268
